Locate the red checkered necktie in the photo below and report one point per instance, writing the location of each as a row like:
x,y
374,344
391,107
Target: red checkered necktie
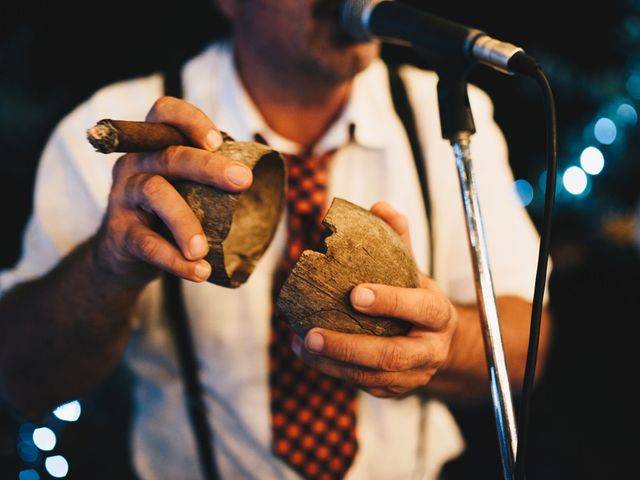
x,y
313,415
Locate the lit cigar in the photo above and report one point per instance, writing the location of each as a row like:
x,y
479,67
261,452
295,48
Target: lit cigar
x,y
109,136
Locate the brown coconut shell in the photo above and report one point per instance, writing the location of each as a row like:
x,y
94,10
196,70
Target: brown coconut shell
x,y
239,226
361,248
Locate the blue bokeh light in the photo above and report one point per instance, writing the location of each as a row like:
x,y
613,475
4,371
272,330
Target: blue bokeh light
x,y
633,85
627,114
25,432
605,131
30,474
592,160
28,452
524,192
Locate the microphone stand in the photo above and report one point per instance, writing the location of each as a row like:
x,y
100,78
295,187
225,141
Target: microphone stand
x,y
457,125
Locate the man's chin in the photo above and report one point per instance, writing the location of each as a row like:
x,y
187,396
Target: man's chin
x,y
346,63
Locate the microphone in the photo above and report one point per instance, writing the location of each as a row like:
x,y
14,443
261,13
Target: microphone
x,y
365,20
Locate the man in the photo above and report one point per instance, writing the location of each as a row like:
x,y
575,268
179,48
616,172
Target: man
x,y
86,289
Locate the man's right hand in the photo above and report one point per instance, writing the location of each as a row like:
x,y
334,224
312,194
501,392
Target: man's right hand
x,y
128,244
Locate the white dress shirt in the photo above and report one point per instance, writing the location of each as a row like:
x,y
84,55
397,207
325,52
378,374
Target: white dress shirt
x,y
399,439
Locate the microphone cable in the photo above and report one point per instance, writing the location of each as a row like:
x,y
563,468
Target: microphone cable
x,y
551,153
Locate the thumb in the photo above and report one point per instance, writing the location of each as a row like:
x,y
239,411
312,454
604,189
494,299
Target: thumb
x,y
395,220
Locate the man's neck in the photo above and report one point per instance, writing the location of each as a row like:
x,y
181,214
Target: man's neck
x,y
298,109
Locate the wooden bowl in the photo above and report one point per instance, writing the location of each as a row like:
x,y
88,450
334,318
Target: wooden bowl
x,y
361,248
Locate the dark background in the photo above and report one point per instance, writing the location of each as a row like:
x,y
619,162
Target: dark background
x,y
54,54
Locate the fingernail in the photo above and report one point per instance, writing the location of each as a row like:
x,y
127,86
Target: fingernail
x,y
315,342
203,270
364,297
198,246
214,140
239,175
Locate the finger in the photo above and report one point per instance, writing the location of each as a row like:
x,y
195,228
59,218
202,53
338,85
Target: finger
x,y
395,220
426,308
399,382
148,246
155,194
189,119
388,354
188,163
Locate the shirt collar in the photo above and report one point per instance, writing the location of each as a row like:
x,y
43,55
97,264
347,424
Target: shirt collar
x,y
364,115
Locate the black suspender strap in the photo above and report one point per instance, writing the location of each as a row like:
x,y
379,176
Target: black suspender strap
x,y
183,339
404,110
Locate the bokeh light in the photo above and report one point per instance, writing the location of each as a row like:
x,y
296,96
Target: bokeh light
x,y
575,181
57,466
28,452
30,474
44,439
68,412
605,131
627,114
524,192
633,85
592,160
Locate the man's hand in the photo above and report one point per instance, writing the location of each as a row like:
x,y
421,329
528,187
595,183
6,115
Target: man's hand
x,y
128,243
387,366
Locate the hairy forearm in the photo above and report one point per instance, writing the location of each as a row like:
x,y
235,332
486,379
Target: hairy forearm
x,y
61,334
464,377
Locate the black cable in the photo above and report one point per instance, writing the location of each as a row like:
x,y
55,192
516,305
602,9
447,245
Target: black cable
x,y
541,273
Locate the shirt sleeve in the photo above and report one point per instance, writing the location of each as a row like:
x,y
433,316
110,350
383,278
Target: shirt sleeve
x,y
511,236
72,181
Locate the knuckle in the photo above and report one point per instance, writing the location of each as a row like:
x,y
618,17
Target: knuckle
x,y
162,105
170,156
395,305
173,265
345,352
120,167
426,308
439,359
356,375
211,165
147,247
152,186
392,358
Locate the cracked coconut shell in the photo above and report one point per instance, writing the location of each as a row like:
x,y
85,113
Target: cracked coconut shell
x,y
239,226
361,248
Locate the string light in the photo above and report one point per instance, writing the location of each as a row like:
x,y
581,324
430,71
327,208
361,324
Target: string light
x,y
30,474
627,114
524,192
27,451
68,412
575,181
592,160
605,131
57,466
44,439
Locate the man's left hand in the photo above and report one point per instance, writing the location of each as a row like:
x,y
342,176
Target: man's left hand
x,y
387,366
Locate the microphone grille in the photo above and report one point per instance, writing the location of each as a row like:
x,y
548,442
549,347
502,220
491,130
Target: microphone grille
x,y
354,18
